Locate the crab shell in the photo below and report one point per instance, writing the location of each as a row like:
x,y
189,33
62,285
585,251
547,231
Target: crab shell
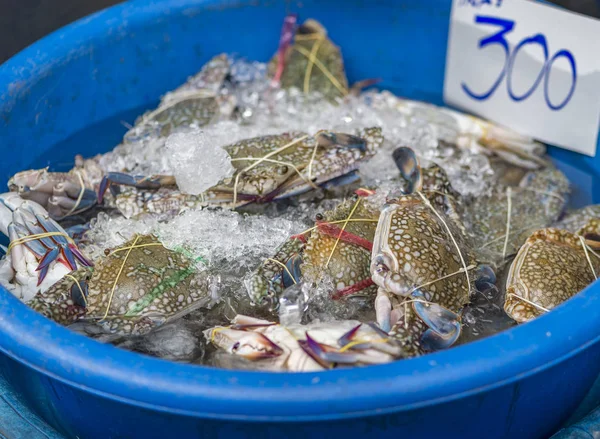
x,y
346,262
412,248
198,102
552,266
295,164
537,202
299,72
137,286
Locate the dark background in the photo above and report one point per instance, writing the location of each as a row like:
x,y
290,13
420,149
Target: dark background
x,y
24,21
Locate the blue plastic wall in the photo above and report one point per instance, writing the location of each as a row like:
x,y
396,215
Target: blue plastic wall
x,y
522,383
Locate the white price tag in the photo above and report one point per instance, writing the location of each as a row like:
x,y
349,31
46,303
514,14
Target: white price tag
x,y
531,67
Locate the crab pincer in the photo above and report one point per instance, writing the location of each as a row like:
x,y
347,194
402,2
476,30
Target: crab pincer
x,y
30,226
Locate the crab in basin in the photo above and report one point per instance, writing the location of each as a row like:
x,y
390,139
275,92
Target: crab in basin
x,y
133,289
500,223
339,246
266,168
40,252
311,62
553,265
305,348
474,134
422,263
198,102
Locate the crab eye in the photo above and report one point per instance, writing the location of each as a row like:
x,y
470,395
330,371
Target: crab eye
x,y
319,217
235,347
282,170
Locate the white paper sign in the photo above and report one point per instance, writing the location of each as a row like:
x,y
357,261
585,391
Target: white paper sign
x,y
531,67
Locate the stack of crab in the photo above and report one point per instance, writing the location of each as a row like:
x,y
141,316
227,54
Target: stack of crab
x,y
414,252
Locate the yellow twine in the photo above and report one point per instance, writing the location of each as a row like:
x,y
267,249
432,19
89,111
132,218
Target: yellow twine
x,y
279,162
34,237
312,158
81,192
354,220
284,267
462,260
272,153
587,256
529,302
311,61
470,267
508,215
80,289
216,330
134,246
358,342
345,223
112,292
323,69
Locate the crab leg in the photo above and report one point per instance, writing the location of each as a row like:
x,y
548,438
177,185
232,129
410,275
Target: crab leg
x,y
353,289
137,181
287,34
344,236
328,139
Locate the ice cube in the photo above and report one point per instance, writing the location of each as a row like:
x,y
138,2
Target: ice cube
x,y
197,162
291,305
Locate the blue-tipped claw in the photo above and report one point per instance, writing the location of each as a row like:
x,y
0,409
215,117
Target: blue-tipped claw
x,y
326,355
444,325
432,341
42,275
293,268
441,320
410,171
79,256
328,139
348,336
50,256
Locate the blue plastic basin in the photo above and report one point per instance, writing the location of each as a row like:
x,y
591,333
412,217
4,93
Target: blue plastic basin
x,y
522,383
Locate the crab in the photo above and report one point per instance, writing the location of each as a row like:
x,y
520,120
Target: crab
x,y
133,289
62,194
500,223
40,252
338,246
301,348
552,266
311,63
198,102
475,134
422,263
267,168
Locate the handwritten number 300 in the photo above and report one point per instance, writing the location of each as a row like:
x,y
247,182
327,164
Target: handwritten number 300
x,y
498,38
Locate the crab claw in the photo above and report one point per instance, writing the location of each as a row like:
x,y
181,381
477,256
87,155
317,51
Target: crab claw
x,y
248,344
348,336
37,241
444,325
326,355
328,139
410,171
137,181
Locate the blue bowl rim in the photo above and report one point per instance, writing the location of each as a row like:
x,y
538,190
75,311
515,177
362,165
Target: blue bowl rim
x,y
112,373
